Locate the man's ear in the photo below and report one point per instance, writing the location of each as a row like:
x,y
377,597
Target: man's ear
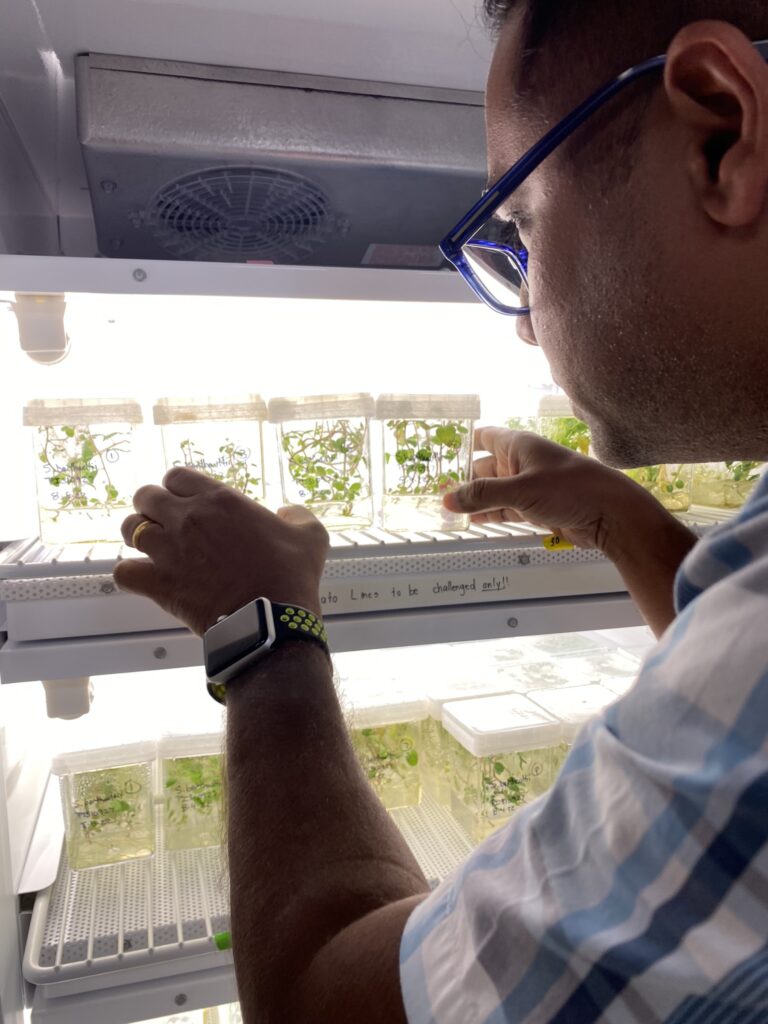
x,y
717,85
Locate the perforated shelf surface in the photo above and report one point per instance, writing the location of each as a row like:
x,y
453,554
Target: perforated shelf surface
x,y
111,923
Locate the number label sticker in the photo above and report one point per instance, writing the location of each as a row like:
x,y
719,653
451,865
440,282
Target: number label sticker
x,y
556,543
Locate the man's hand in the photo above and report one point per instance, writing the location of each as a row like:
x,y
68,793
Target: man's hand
x,y
212,550
527,479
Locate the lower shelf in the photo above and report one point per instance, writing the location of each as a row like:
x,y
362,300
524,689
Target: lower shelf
x,y
150,925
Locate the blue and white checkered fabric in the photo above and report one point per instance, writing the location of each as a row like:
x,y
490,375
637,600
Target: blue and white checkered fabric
x,y
637,889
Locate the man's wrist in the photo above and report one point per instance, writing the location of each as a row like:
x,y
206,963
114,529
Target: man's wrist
x,y
284,658
648,533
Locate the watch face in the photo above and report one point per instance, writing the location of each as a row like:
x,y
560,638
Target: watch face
x,y
234,638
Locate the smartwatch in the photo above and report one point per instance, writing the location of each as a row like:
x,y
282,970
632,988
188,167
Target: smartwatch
x,y
239,640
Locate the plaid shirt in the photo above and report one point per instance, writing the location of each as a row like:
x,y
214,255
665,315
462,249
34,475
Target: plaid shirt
x,y
636,890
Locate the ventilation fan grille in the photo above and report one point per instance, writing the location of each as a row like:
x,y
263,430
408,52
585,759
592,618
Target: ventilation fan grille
x,y
241,213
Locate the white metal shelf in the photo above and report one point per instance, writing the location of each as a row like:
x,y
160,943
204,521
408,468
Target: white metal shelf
x,y
64,617
148,926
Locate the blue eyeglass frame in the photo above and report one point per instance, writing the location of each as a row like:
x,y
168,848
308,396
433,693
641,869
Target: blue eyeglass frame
x,y
453,243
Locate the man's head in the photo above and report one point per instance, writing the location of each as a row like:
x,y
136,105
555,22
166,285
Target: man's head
x,y
648,233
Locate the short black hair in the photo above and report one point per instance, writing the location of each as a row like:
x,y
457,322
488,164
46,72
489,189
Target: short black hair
x,y
580,44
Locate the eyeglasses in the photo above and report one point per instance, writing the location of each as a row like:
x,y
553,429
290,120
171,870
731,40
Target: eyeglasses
x,y
488,253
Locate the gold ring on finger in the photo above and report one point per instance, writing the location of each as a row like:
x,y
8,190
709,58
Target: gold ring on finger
x,y
138,532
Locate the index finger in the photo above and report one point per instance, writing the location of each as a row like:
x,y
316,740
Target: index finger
x,y
487,437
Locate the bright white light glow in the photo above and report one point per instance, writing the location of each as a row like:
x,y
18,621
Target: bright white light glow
x,y
146,347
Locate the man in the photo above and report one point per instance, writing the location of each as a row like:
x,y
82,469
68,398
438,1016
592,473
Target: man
x,y
637,890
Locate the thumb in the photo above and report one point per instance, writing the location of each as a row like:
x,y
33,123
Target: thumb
x,y
488,493
297,515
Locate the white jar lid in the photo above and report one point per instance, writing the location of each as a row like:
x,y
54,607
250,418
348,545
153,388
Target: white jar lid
x,y
98,759
440,407
380,700
574,705
197,410
555,406
58,412
196,745
500,725
320,407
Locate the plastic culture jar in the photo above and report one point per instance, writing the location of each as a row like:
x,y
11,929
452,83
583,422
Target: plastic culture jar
x,y
506,752
86,467
724,484
670,484
191,788
218,437
573,705
557,423
427,452
108,803
325,460
386,738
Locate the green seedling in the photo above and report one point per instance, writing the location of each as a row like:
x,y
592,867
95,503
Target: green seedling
x,y
328,463
431,457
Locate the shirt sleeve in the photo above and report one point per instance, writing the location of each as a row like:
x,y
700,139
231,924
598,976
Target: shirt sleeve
x,y
635,890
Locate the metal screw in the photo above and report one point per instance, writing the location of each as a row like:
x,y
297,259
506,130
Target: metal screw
x,y
160,653
107,588
139,274
180,999
109,186
524,560
513,623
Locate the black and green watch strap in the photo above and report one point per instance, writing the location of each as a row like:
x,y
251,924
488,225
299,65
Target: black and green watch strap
x,y
290,623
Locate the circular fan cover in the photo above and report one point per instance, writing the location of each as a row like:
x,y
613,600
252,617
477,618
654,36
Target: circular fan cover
x,y
241,213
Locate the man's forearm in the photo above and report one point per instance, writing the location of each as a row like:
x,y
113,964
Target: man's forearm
x,y
311,848
648,560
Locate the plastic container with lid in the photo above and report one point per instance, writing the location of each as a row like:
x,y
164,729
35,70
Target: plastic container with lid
x,y
725,484
107,797
427,445
436,742
506,751
616,670
325,458
86,466
221,437
670,484
192,790
573,705
386,737
557,423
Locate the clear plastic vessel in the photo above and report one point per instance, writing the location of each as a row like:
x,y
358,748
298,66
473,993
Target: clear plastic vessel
x,y
573,705
219,437
86,467
107,797
427,443
557,423
386,737
192,792
506,751
325,458
670,484
724,484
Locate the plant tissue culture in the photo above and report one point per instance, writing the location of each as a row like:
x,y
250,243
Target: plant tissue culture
x,y
108,807
221,438
724,484
193,800
85,466
325,456
427,452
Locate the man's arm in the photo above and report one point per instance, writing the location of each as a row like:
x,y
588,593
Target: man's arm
x,y
321,879
322,882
